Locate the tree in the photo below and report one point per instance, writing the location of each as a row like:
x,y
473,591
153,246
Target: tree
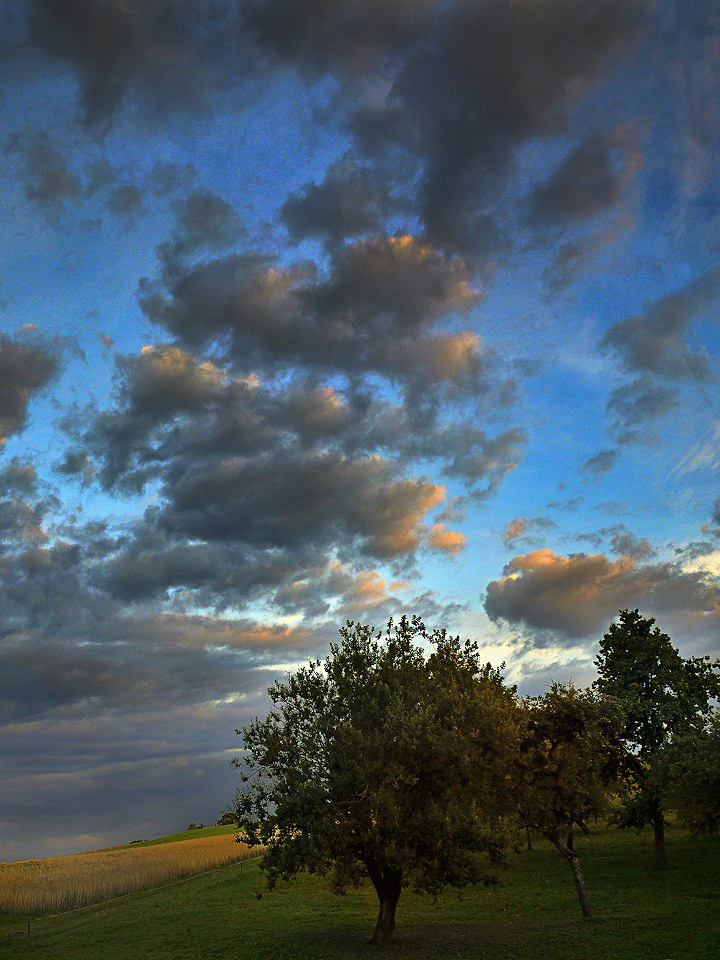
x,y
691,770
384,763
226,819
567,756
664,697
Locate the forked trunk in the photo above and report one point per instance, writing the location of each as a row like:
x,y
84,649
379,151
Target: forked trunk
x,y
572,859
388,884
659,828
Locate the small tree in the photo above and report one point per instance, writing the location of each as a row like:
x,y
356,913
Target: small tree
x,y
383,763
567,755
664,697
226,819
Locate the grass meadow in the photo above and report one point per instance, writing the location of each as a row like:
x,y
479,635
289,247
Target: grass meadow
x,y
533,914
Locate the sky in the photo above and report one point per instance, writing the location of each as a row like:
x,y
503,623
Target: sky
x,y
317,310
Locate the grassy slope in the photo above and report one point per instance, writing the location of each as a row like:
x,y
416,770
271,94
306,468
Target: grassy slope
x,y
641,914
187,835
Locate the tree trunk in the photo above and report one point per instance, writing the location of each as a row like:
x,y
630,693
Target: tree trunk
x,y
388,884
572,859
659,828
529,838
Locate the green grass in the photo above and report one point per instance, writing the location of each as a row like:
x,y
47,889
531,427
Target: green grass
x,y
641,914
186,835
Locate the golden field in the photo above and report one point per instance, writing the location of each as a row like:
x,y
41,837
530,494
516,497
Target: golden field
x,y
61,883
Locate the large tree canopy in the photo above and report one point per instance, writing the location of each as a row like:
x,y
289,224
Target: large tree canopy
x,y
385,762
664,697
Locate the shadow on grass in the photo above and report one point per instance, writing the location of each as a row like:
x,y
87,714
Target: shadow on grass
x,y
421,942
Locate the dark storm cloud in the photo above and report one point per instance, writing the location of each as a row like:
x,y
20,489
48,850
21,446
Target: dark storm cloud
x,y
577,595
25,369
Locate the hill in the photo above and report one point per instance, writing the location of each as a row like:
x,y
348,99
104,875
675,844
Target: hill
x,y
227,914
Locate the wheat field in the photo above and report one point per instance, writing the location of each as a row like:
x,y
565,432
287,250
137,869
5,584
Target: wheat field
x,y
62,883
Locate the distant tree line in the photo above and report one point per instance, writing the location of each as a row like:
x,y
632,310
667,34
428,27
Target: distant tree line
x,y
406,759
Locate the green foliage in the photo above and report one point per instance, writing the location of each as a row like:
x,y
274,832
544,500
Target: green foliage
x,y
382,762
691,770
226,819
569,754
665,699
663,695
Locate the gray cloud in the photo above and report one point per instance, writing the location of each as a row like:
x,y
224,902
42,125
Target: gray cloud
x,y
601,462
626,544
438,95
163,50
25,369
572,503
491,76
520,529
589,182
351,201
576,596
283,501
372,313
204,221
132,664
653,342
716,512
49,179
263,479
637,402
